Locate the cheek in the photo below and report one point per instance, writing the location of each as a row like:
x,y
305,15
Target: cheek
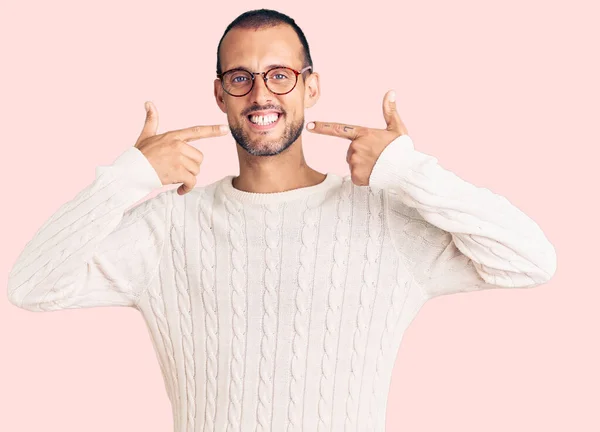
x,y
291,111
296,108
234,115
233,108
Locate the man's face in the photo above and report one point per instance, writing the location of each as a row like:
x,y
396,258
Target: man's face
x,y
256,51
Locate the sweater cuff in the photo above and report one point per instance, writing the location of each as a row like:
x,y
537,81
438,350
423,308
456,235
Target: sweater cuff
x,y
393,163
138,174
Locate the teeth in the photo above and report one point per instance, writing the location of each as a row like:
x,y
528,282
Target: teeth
x,y
264,120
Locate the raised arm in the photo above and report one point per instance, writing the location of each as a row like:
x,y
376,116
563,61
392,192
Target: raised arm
x,y
453,235
91,252
460,237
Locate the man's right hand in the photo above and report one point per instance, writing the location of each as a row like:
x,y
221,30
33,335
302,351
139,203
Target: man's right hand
x,y
173,159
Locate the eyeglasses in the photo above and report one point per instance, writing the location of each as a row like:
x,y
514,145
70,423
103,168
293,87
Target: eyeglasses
x,y
279,80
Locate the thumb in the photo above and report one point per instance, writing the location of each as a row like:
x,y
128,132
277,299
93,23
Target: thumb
x,y
392,118
151,123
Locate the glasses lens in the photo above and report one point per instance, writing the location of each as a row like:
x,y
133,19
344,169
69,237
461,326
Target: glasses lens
x,y
281,80
237,82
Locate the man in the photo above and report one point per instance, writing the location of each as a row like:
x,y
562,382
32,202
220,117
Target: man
x,y
277,299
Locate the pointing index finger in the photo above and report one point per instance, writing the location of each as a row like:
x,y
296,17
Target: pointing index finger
x,y
335,129
198,132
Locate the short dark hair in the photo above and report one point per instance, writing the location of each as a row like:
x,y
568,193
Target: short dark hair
x,y
265,18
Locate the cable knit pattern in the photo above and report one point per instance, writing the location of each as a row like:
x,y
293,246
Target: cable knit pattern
x,y
43,266
279,311
269,321
335,297
157,308
185,307
235,219
303,297
365,307
207,268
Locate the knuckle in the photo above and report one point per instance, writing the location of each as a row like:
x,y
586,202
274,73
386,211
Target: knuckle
x,y
167,138
144,141
357,148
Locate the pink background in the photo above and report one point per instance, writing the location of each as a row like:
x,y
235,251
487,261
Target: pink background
x,y
503,93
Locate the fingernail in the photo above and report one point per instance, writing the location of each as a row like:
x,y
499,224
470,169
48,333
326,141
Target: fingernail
x,y
310,126
224,128
393,96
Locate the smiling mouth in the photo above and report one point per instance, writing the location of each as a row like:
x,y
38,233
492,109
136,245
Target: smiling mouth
x,y
264,122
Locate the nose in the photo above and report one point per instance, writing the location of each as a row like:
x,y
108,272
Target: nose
x,y
260,93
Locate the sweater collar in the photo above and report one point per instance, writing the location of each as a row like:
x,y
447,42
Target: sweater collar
x,y
226,186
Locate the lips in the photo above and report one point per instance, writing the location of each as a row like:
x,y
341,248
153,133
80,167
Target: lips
x,y
263,113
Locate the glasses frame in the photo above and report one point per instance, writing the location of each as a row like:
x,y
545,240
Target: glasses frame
x,y
264,76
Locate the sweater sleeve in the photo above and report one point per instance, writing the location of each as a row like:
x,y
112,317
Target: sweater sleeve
x,y
91,252
457,237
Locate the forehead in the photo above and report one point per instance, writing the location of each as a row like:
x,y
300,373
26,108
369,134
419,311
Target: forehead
x,y
257,49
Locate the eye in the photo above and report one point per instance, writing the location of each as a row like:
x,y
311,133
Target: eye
x,y
280,74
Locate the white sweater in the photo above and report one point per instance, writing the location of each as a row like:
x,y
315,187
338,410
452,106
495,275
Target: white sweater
x,y
279,311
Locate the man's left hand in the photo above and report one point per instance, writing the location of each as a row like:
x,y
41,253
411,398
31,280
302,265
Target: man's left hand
x,y
367,143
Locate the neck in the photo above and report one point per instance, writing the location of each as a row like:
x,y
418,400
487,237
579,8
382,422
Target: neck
x,y
267,174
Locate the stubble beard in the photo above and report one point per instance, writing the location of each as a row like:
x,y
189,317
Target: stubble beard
x,y
256,146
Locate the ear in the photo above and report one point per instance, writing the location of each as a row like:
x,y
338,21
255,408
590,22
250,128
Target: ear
x,y
311,90
219,95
